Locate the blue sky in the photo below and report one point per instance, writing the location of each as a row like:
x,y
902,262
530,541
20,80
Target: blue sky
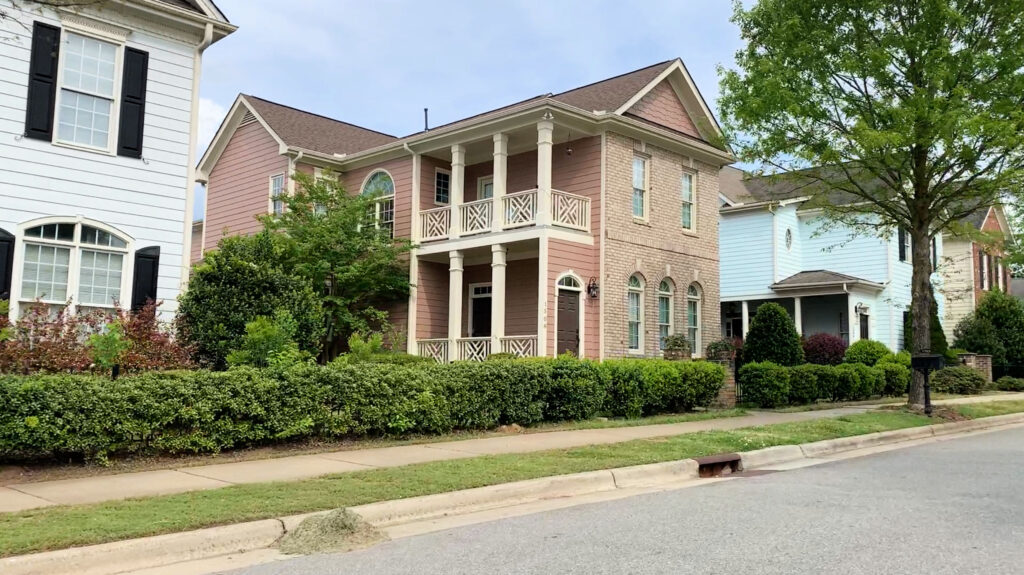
x,y
379,63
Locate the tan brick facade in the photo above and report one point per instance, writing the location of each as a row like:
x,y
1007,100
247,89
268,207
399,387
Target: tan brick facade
x,y
657,248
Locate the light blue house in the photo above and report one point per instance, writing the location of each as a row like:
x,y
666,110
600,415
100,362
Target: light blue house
x,y
774,247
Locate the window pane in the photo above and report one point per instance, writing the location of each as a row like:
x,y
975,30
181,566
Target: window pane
x,y
688,216
278,207
89,65
662,334
99,279
379,184
687,187
639,179
277,185
664,307
638,203
91,235
84,119
442,187
634,282
45,272
634,307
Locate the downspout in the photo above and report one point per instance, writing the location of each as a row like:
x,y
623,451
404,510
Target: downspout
x,y
292,166
190,192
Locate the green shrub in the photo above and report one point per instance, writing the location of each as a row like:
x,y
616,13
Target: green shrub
x,y
866,351
938,342
502,356
772,337
803,384
764,384
269,342
901,358
826,378
978,335
577,390
897,378
638,387
1006,315
958,379
1008,383
848,384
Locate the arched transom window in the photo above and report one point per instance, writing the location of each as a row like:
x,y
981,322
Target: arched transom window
x,y
666,311
570,282
380,186
693,317
73,261
635,314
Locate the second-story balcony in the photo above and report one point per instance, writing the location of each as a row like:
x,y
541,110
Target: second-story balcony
x,y
516,210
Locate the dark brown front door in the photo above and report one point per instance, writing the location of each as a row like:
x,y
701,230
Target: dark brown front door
x,y
568,336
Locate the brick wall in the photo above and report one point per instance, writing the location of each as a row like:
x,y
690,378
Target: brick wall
x,y
658,248
727,395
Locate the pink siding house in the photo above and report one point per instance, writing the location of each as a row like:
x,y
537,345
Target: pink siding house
x,y
582,222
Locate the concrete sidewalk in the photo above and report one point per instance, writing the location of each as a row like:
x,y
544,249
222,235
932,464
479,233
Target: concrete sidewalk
x,y
18,497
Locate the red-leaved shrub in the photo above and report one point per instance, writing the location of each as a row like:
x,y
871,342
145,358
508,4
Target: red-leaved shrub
x,y
824,349
53,340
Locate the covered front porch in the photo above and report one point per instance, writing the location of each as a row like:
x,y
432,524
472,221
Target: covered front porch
x,y
818,302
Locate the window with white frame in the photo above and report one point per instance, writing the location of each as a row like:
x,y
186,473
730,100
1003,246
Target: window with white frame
x,y
688,200
380,186
693,317
442,186
665,312
485,188
640,187
65,261
635,323
985,285
999,274
88,94
277,194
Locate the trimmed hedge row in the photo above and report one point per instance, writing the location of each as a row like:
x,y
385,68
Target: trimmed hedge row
x,y
200,411
769,385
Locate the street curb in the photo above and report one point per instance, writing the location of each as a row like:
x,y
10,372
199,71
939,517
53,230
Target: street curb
x,y
162,550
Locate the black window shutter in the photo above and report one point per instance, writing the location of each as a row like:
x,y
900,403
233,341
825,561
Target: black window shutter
x,y
133,103
903,245
42,81
6,264
147,266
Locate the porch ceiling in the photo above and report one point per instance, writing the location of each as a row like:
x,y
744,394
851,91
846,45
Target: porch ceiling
x,y
520,250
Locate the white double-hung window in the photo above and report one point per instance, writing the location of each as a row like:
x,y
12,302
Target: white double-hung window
x,y
687,201
76,262
640,187
88,91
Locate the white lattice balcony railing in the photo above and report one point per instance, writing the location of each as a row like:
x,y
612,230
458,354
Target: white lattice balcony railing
x,y
476,216
435,223
570,210
519,345
519,209
436,349
474,348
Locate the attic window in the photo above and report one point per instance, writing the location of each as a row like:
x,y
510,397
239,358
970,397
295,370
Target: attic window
x,y
248,118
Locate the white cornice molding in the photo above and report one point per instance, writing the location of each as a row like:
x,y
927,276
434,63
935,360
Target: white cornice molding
x,y
94,26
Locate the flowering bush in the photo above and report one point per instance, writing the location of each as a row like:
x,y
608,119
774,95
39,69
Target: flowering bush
x,y
51,340
824,349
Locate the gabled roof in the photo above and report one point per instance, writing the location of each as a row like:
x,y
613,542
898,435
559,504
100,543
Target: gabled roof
x,y
205,8
977,219
611,94
308,131
821,279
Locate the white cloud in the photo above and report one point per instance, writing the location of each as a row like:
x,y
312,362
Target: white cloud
x,y
210,116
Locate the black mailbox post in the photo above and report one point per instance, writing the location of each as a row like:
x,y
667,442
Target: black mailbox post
x,y
927,363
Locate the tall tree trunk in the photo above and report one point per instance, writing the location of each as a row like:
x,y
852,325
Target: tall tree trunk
x,y
921,306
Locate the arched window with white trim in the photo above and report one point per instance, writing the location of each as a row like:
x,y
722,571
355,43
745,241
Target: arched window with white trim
x,y
635,314
381,186
694,310
83,262
666,311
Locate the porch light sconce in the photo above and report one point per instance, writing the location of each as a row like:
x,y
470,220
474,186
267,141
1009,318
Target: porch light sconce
x,y
592,288
861,308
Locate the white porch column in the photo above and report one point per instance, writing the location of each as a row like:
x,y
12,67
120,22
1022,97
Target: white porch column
x,y
498,265
454,303
798,316
542,298
500,179
414,260
746,318
545,131
852,319
458,186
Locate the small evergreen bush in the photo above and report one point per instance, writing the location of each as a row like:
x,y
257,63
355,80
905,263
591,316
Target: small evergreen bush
x,y
959,379
897,378
1008,383
765,384
803,384
772,337
866,351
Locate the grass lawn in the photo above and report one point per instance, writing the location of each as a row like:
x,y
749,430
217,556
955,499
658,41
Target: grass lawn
x,y
976,410
26,473
67,526
875,401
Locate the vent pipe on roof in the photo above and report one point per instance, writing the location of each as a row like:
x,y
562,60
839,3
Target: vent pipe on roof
x,y
426,120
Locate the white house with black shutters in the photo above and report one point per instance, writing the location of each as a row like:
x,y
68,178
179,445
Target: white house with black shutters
x,y
98,118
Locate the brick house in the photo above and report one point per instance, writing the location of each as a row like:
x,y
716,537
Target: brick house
x,y
970,269
584,221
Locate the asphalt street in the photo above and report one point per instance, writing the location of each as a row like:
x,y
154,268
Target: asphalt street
x,y
953,507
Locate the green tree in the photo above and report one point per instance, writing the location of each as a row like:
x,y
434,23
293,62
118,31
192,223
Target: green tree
x,y
978,335
910,110
335,240
937,337
239,281
1006,314
772,337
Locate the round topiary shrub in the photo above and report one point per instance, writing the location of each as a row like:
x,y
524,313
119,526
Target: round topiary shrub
x,y
764,384
824,349
866,351
959,379
897,378
772,337
803,384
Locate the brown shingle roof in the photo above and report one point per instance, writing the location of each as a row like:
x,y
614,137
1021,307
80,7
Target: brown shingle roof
x,y
820,278
314,132
609,95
